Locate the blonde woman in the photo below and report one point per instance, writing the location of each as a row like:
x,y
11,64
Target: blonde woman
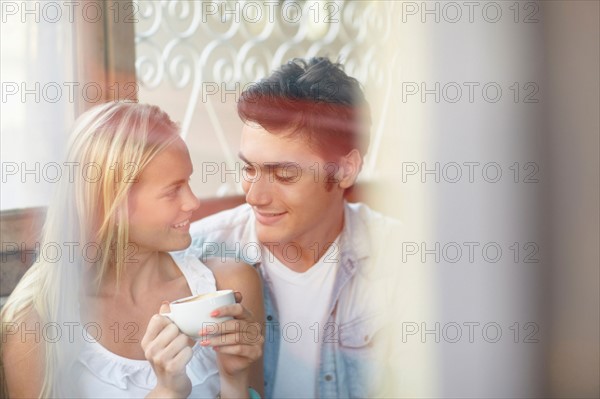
x,y
86,323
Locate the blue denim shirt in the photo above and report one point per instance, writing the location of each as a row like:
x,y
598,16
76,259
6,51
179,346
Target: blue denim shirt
x,y
351,365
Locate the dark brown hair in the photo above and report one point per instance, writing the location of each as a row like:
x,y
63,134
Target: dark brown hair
x,y
317,100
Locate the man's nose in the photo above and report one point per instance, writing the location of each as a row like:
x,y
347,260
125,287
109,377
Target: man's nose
x,y
259,192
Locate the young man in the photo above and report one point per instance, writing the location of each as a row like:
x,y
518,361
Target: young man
x,y
306,132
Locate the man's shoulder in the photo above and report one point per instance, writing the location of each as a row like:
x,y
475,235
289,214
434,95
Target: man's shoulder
x,y
373,234
223,228
365,217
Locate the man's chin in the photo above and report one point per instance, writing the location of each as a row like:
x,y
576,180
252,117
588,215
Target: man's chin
x,y
268,235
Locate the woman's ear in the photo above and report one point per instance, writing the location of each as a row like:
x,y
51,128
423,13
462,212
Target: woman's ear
x,y
350,166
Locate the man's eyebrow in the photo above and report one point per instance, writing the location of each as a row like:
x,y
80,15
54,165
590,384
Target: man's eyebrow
x,y
243,158
272,165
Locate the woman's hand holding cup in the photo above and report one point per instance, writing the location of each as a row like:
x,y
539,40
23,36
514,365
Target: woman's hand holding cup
x,y
218,320
238,342
168,351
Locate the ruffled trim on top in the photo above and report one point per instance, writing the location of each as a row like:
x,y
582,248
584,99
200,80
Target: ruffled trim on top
x,y
120,371
114,369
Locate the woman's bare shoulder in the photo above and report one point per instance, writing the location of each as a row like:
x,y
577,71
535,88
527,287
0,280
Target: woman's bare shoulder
x,y
232,272
23,354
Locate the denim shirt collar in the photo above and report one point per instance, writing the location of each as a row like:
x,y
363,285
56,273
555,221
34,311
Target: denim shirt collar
x,y
354,242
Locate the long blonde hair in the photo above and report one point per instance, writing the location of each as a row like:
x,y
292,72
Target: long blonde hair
x,y
110,145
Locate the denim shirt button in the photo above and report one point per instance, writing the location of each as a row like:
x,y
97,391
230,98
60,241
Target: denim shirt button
x,y
269,317
328,377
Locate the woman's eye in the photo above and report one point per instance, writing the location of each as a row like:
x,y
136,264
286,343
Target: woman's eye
x,y
173,192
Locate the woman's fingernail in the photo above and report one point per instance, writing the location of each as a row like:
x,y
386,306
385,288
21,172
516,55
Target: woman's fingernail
x,y
214,313
205,342
165,302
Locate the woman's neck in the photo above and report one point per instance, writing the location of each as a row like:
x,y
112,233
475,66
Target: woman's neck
x,y
141,272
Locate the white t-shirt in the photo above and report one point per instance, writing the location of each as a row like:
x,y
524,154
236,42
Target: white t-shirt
x,y
100,373
302,303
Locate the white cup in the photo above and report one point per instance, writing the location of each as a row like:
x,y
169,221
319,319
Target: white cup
x,y
192,313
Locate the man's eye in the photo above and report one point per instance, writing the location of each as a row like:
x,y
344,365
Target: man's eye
x,y
288,174
249,170
284,178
